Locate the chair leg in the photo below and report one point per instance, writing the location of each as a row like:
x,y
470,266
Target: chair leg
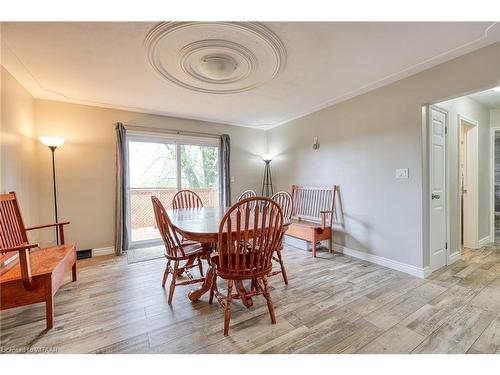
x,y
267,296
213,288
49,303
283,270
314,247
227,308
200,266
172,283
165,274
330,246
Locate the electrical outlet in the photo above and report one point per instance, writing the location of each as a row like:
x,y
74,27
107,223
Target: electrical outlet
x,y
402,173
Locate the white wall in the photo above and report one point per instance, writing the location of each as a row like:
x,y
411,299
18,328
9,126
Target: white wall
x,y
472,110
17,147
363,140
495,118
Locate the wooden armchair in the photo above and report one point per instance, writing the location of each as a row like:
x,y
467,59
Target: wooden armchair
x,y
26,276
246,243
312,216
181,256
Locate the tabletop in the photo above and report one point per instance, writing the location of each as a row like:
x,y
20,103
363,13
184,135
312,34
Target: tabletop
x,y
199,224
197,221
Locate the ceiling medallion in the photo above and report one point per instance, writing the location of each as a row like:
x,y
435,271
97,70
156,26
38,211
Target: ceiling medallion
x,y
215,57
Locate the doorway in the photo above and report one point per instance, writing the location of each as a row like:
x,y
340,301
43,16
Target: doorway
x,y
438,185
468,188
495,177
461,163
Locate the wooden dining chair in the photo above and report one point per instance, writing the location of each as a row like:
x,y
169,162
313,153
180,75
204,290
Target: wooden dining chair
x,y
247,194
186,199
284,200
247,240
180,256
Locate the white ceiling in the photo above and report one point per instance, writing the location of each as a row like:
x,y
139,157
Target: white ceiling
x,y
106,64
489,98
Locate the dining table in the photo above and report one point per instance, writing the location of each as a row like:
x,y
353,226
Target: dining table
x,y
201,224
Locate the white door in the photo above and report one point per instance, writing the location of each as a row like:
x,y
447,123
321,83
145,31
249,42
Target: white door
x,y
437,237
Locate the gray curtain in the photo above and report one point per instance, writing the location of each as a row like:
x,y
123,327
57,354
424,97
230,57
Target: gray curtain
x,y
225,148
122,222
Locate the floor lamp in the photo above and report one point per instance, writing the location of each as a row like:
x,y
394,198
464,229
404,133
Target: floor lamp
x,y
267,183
53,143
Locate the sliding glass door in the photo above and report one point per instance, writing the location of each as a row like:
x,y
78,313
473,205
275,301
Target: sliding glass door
x,y
161,166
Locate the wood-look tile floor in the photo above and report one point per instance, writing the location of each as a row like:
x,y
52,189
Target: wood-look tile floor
x,y
333,304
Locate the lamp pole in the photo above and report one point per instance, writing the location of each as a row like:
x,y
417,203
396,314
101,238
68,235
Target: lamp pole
x,y
53,143
53,150
267,182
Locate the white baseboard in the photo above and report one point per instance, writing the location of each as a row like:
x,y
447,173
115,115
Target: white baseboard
x,y
427,271
103,251
389,263
395,265
454,257
484,241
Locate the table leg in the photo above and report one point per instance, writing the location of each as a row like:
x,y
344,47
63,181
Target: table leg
x,y
196,294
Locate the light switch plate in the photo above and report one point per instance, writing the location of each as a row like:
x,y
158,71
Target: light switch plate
x,y
402,173
232,179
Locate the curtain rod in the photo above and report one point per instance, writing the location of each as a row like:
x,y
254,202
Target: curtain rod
x,y
171,131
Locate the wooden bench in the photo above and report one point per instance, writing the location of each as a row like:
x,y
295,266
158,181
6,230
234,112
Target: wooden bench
x,y
312,214
28,274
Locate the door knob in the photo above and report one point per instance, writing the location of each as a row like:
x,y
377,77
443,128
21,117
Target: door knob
x,y
436,196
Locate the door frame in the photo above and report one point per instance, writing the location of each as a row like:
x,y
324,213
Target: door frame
x,y
493,130
473,148
426,111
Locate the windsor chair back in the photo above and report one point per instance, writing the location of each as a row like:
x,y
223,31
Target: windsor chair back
x,y
186,199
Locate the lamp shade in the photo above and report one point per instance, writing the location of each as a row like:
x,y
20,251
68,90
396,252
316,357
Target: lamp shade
x,y
52,141
497,89
267,157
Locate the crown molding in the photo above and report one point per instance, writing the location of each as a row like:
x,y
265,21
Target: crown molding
x,y
405,73
18,69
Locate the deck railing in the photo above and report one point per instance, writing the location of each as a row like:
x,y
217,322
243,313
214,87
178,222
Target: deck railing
x,y
142,216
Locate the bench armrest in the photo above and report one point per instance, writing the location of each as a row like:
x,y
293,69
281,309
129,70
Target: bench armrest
x,y
24,262
60,227
25,246
48,226
323,217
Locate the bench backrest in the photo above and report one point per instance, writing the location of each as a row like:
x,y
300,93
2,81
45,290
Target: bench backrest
x,y
12,230
309,201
